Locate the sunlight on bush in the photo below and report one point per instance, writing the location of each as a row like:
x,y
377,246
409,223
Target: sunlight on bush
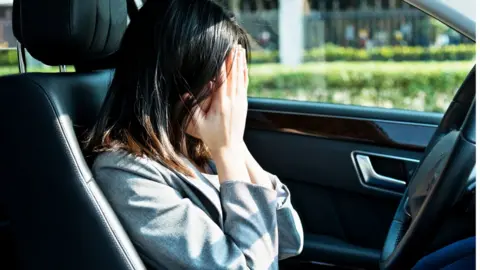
x,y
422,86
411,85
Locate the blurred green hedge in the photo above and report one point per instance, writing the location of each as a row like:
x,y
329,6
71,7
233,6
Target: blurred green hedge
x,y
390,53
8,57
398,83
429,76
331,53
371,83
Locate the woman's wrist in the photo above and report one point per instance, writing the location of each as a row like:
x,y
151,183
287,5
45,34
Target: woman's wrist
x,y
230,163
228,153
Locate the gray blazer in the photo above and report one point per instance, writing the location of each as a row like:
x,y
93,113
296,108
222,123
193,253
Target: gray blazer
x,y
178,222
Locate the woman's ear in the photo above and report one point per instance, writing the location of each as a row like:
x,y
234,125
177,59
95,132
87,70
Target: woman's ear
x,y
183,103
185,97
187,100
211,85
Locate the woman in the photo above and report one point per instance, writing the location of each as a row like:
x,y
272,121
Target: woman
x,y
169,147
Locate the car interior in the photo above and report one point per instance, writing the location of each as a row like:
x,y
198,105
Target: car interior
x,y
375,188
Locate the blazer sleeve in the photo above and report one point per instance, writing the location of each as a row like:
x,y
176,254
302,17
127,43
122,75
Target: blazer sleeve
x,y
290,230
170,231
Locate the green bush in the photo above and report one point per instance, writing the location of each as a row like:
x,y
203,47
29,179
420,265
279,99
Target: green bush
x,y
389,53
436,76
264,57
369,83
332,53
398,83
8,57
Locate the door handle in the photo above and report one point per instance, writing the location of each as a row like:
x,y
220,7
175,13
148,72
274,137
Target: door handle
x,y
373,179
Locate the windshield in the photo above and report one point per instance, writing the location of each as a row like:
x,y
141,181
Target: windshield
x,y
458,14
465,7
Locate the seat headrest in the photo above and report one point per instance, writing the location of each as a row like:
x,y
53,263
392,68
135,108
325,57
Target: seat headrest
x,y
69,32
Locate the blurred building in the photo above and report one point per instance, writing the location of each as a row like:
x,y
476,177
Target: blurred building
x,y
352,23
320,5
348,23
6,34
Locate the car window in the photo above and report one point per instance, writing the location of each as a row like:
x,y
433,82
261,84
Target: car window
x,y
8,53
8,47
370,53
380,53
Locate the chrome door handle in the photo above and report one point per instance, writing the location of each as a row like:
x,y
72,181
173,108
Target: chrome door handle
x,y
373,179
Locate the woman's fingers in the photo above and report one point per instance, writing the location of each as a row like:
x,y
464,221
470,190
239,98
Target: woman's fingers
x,y
232,74
244,74
220,89
240,80
245,70
232,81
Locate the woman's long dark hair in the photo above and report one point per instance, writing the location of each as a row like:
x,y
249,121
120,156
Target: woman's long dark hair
x,y
170,48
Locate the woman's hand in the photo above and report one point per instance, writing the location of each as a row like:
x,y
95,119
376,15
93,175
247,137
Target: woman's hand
x,y
222,126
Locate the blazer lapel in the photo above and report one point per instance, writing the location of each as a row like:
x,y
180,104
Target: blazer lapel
x,y
206,194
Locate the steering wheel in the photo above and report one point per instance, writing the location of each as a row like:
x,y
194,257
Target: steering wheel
x,y
439,181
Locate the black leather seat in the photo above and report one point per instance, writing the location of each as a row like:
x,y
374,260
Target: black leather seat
x,y
59,217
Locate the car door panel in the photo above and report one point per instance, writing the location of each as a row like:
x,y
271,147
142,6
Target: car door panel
x,y
312,147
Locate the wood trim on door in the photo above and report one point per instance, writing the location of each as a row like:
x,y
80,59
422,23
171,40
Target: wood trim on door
x,y
400,135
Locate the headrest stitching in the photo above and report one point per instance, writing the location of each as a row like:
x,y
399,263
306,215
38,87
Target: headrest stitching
x,y
95,29
70,18
109,25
